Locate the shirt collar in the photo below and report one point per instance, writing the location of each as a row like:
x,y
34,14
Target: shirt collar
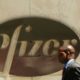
x,y
68,63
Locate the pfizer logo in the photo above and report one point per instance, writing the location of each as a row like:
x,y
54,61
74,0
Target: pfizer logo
x,y
29,46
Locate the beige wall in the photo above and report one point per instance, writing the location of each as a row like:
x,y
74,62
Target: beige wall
x,y
66,11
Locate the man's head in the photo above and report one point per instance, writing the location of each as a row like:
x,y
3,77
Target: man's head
x,y
66,53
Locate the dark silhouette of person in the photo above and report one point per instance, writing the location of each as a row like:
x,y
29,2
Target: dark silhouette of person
x,y
71,70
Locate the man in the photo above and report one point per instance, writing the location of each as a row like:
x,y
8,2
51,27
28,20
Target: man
x,y
71,70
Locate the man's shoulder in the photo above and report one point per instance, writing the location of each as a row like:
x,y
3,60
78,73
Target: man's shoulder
x,y
74,65
74,68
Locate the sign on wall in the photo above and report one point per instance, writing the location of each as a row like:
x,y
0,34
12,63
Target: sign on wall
x,y
29,46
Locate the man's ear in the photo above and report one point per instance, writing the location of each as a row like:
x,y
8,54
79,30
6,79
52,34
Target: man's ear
x,y
69,54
